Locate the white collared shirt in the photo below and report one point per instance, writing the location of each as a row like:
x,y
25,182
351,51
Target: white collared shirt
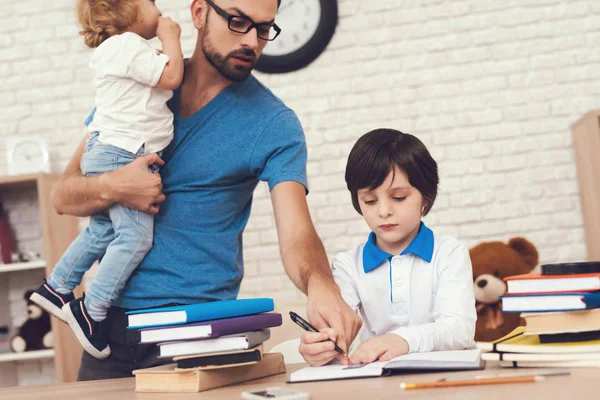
x,y
130,109
429,304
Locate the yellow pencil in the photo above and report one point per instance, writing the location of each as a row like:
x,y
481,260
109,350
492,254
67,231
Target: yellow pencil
x,y
471,382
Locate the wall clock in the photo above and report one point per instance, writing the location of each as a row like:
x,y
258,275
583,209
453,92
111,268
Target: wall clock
x,y
307,27
27,155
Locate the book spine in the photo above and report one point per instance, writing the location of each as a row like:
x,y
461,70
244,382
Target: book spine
x,y
592,301
265,321
230,310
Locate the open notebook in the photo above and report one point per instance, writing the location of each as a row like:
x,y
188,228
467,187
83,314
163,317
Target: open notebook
x,y
434,361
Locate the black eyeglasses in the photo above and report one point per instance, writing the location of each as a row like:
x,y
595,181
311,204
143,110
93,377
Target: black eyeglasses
x,y
240,24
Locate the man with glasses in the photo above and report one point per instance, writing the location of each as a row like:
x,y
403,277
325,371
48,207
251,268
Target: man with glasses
x,y
230,133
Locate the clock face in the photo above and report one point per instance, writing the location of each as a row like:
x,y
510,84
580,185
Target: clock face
x,y
27,155
28,152
307,27
299,20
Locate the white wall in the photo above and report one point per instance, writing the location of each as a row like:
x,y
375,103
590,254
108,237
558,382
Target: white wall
x,y
490,86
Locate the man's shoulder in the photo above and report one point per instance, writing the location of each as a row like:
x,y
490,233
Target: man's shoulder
x,y
263,97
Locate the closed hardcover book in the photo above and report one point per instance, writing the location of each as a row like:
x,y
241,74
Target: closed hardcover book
x,y
210,329
551,364
224,359
487,347
570,337
538,283
562,322
543,357
240,341
179,315
575,268
518,342
550,302
167,378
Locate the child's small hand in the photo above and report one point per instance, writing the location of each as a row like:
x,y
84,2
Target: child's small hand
x,y
316,349
167,29
382,348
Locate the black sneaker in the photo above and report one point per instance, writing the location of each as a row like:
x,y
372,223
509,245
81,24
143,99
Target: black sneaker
x,y
91,334
50,300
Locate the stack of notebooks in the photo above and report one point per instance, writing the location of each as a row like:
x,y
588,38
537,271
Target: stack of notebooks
x,y
561,308
210,344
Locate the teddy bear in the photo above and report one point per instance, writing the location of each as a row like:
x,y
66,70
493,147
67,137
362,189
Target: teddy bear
x,y
492,262
35,333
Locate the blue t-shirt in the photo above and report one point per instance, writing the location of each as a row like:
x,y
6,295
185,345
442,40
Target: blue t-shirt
x,y
212,166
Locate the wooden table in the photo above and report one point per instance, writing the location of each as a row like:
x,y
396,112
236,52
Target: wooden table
x,y
581,384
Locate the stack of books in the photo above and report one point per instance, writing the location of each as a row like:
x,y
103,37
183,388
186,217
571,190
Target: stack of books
x,y
210,344
561,308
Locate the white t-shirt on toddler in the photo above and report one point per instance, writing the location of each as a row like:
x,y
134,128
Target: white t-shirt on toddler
x,y
130,109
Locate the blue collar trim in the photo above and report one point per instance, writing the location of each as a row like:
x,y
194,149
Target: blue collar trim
x,y
421,245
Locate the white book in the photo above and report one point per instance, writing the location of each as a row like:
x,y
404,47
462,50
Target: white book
x,y
553,283
542,357
436,360
241,341
548,357
551,364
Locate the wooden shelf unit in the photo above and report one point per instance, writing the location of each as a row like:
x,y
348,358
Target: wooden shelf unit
x,y
586,144
58,231
28,355
24,266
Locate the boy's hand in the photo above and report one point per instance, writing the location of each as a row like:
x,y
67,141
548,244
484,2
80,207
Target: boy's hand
x,y
167,29
382,348
316,349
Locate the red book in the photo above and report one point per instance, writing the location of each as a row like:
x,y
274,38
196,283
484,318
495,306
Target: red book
x,y
537,283
7,242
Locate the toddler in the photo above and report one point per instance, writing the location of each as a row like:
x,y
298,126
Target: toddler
x,y
133,83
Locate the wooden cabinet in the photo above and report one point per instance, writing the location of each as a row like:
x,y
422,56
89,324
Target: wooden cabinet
x,y
57,232
586,143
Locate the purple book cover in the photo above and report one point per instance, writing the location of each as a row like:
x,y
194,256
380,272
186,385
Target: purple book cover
x,y
214,328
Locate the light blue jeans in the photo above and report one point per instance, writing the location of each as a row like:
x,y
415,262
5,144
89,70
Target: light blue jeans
x,y
120,237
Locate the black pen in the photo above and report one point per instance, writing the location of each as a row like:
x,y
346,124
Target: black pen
x,y
304,324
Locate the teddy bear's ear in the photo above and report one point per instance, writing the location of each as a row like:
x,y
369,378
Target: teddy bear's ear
x,y
525,249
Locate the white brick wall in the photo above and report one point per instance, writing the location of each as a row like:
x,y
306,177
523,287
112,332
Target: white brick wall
x,y
491,88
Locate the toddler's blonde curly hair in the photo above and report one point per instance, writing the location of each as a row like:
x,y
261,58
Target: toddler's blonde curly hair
x,y
101,19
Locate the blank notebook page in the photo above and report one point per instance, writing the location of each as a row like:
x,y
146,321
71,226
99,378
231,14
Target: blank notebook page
x,y
439,359
434,360
336,370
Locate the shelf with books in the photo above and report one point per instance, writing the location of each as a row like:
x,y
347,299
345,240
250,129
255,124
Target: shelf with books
x,y
27,355
24,266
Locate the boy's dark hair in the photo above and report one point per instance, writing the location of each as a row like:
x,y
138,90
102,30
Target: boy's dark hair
x,y
377,152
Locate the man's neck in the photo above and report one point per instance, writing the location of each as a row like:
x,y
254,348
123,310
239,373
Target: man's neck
x,y
201,83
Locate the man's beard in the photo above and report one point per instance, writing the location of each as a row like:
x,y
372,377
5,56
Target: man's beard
x,y
222,63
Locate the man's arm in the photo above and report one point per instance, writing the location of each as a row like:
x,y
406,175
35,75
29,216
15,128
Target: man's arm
x,y
306,264
132,185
